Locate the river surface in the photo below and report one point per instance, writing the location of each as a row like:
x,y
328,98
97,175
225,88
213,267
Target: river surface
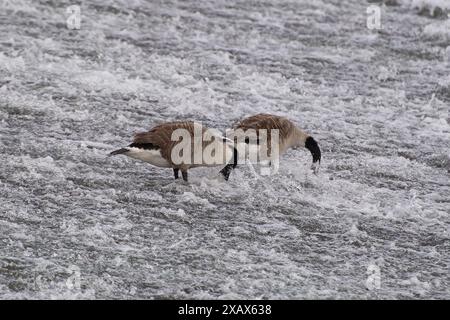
x,y
76,224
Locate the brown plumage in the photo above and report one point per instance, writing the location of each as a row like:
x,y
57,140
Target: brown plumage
x,y
156,147
160,136
290,136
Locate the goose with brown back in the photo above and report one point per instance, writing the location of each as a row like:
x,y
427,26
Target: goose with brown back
x,y
289,135
160,147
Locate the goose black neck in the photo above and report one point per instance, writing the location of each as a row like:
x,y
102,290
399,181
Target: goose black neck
x,y
313,147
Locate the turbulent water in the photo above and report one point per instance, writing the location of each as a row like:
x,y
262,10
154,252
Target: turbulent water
x,y
74,223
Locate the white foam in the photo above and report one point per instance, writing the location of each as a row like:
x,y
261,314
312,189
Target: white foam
x,y
431,5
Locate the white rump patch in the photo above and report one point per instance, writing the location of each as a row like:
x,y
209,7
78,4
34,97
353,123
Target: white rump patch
x,y
153,157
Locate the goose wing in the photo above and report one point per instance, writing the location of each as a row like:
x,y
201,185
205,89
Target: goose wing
x,y
268,122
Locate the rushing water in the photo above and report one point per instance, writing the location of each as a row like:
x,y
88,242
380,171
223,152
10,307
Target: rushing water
x,y
75,223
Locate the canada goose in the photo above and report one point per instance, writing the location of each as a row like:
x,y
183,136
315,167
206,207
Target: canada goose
x,y
289,135
199,147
